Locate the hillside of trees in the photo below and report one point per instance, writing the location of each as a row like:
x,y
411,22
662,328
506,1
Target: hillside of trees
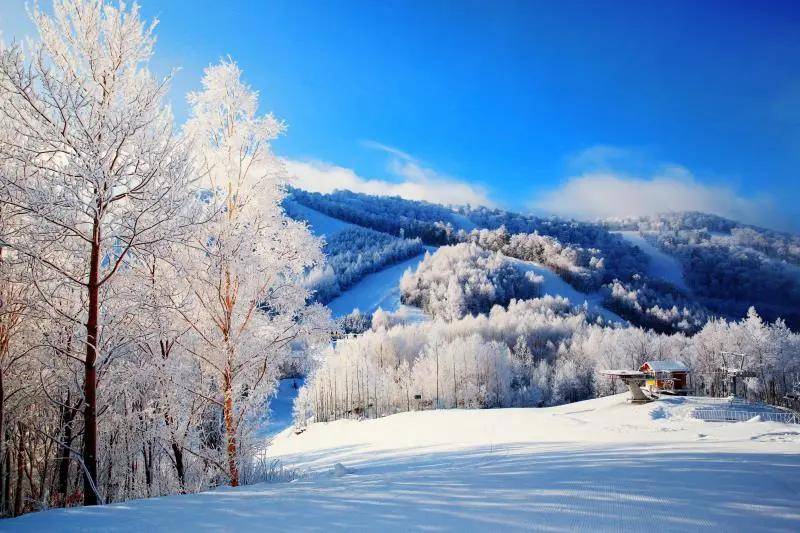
x,y
774,244
728,266
532,353
465,279
655,304
583,268
431,223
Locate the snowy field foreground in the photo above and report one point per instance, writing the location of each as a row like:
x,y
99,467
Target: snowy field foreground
x,y
596,465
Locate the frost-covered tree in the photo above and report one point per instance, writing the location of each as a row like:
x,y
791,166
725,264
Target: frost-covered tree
x,y
531,353
355,322
581,267
353,253
244,293
466,279
432,223
94,164
655,304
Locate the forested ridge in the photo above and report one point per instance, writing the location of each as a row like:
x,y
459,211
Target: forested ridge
x,y
728,267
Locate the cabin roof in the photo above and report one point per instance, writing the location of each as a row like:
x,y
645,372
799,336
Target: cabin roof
x,y
666,366
624,373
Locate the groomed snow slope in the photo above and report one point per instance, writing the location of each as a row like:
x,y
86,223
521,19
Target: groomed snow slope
x,y
554,285
662,266
379,289
320,223
281,406
598,465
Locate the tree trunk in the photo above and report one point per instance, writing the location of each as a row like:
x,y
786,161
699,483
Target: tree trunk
x,y
63,458
3,475
179,467
90,373
7,475
148,467
177,452
4,466
230,429
20,471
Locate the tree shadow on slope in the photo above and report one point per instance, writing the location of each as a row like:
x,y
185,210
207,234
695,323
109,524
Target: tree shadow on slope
x,y
555,487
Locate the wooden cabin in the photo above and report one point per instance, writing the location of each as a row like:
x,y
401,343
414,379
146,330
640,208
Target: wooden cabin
x,y
670,377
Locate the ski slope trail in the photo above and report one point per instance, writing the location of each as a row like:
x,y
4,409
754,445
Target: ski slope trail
x,y
281,406
379,289
662,266
599,465
555,286
321,224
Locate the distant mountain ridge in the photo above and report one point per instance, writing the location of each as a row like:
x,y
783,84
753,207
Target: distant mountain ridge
x,y
724,266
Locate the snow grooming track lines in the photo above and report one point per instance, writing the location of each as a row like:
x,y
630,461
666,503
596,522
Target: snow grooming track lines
x,y
590,473
500,469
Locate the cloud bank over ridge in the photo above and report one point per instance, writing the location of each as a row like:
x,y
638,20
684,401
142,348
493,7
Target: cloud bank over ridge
x,y
411,179
602,187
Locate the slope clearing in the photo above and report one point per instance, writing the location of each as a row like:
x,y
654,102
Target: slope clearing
x,y
662,266
598,465
554,285
379,289
319,223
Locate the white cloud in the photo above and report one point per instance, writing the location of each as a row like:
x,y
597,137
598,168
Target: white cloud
x,y
412,180
601,195
600,191
380,147
600,157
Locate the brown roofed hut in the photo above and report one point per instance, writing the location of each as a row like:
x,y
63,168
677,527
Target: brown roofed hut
x,y
671,377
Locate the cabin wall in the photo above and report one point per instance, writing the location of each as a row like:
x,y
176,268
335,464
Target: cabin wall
x,y
678,379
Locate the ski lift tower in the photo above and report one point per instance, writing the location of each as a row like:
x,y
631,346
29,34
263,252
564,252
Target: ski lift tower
x,y
733,370
635,380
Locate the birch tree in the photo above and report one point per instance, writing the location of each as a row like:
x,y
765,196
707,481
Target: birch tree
x,y
98,170
247,301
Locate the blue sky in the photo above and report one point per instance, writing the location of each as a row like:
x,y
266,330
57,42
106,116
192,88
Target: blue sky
x,y
576,108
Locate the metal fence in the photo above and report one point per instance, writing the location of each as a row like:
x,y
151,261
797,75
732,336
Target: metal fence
x,y
743,415
776,388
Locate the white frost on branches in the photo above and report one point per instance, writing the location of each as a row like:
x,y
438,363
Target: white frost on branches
x,y
245,297
466,279
151,285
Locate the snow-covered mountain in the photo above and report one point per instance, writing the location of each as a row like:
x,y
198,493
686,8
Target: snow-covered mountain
x,y
669,272
530,311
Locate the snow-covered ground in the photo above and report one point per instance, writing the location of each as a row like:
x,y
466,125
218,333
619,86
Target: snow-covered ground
x,y
555,286
599,465
380,289
321,224
281,406
662,265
